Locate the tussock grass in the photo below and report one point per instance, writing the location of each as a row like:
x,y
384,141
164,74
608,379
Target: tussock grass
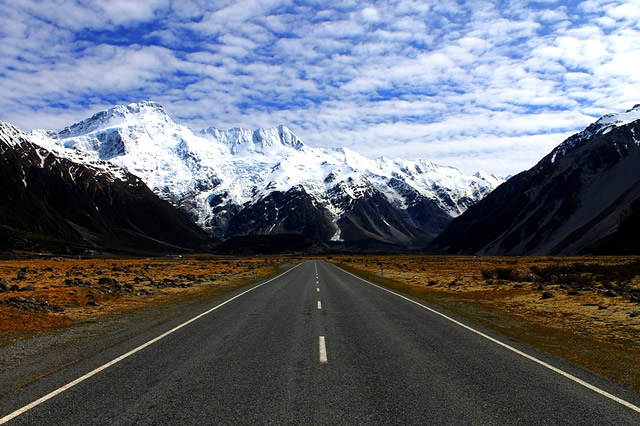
x,y
90,288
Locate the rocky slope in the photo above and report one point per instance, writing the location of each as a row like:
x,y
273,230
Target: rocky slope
x,y
582,197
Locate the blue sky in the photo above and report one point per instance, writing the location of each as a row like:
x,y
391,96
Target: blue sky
x,y
478,85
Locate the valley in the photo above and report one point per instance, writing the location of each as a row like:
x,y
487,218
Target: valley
x,y
320,213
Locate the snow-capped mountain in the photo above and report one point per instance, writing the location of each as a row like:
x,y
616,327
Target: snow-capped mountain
x,y
52,203
583,197
602,126
267,181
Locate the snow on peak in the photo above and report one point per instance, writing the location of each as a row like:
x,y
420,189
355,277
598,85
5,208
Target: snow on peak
x,y
10,134
602,126
494,180
118,115
610,121
43,144
265,141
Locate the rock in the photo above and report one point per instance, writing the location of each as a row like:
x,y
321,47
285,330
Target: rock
x,y
77,282
28,288
634,314
611,293
635,297
14,287
541,287
573,293
112,286
547,295
93,303
31,304
4,285
106,281
432,283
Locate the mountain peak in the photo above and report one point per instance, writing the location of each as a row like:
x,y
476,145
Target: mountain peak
x,y
10,134
603,125
117,115
617,119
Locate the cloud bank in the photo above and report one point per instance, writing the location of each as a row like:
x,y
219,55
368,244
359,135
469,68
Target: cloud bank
x,y
476,85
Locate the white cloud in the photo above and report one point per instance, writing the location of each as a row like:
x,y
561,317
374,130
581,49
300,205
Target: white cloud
x,y
124,11
370,14
473,84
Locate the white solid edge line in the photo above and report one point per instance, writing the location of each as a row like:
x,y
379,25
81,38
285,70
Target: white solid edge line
x,y
511,348
319,305
69,385
323,350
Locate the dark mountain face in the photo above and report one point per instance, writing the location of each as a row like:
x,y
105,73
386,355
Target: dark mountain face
x,y
371,222
52,203
291,212
366,222
583,197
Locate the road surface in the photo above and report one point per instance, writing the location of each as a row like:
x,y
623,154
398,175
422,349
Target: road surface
x,y
318,345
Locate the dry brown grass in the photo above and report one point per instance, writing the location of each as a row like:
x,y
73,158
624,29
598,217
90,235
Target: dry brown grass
x,y
583,326
74,285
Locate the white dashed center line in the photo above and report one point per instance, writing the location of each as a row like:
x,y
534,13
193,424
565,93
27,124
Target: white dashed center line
x,y
319,305
323,351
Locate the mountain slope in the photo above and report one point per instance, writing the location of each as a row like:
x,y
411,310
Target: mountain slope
x,y
577,199
53,203
240,182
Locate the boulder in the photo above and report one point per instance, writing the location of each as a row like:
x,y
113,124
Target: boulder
x,y
547,295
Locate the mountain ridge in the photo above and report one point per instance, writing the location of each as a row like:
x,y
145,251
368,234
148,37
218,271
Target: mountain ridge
x,y
573,201
215,175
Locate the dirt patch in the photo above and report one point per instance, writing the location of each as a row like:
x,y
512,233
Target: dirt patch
x,y
583,309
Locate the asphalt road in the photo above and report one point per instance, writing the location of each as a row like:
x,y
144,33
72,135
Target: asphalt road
x,y
258,359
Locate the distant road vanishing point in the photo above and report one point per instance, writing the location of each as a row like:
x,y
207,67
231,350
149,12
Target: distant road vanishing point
x,y
318,345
